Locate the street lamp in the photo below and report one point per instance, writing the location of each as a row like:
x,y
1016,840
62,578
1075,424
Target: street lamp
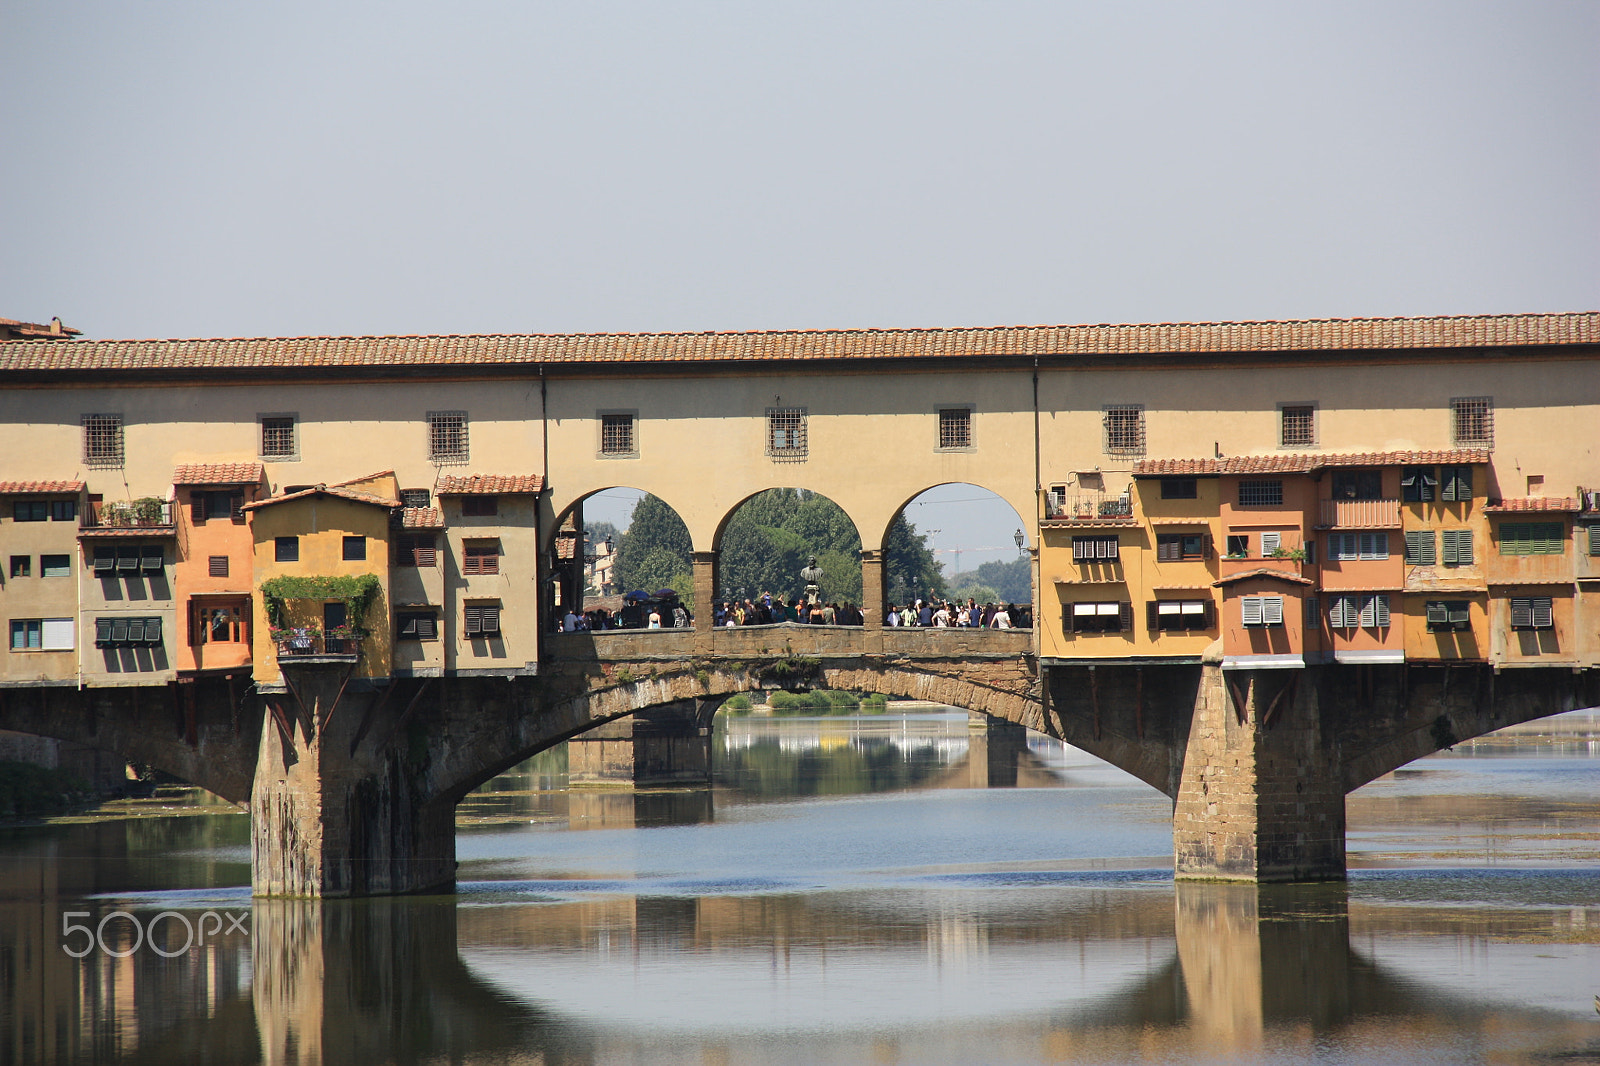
x,y
1019,539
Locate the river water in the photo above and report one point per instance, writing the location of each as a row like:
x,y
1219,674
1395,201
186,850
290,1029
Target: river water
x,y
874,889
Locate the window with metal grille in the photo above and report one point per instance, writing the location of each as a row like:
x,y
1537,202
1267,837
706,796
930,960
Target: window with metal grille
x,y
1094,549
416,549
1457,545
1261,610
955,427
447,436
1449,616
1175,547
1179,488
416,625
217,566
481,621
102,440
1532,612
1178,616
1261,494
1532,538
480,557
355,549
480,506
616,435
1298,426
786,432
1125,429
1472,421
277,437
286,549
416,498
1110,617
1420,548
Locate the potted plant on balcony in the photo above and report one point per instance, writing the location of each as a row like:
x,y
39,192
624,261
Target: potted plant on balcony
x,y
148,510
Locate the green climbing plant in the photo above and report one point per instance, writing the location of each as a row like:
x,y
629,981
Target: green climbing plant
x,y
357,592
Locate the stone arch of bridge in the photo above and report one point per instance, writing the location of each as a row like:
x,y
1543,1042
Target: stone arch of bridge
x,y
1003,690
1019,509
559,517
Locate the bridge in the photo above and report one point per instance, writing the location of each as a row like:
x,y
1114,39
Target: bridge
x,y
352,789
1339,532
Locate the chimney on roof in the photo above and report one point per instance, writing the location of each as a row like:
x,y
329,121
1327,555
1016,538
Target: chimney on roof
x,y
55,325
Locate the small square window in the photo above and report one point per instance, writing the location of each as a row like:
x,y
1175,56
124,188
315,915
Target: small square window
x,y
22,566
26,634
355,549
278,437
480,557
416,625
286,549
1472,421
63,510
616,434
447,436
217,566
1297,426
30,511
1124,429
1179,488
102,440
55,566
955,427
786,433
480,506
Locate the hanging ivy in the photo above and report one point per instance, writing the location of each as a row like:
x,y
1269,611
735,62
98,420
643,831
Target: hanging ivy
x,y
358,593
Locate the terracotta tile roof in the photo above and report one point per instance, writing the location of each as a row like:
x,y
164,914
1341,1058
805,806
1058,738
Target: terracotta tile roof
x,y
502,484
1534,504
421,518
97,532
1263,571
566,546
325,490
217,474
1301,462
30,488
11,329
483,350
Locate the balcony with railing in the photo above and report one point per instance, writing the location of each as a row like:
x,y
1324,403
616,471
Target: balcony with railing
x,y
1360,514
306,642
1096,508
149,513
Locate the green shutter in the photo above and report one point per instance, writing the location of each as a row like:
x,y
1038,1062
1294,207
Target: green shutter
x,y
1420,548
1438,613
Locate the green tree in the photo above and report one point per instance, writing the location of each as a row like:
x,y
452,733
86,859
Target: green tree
x,y
911,571
654,550
1012,582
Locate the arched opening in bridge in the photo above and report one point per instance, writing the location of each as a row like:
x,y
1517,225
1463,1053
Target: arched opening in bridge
x,y
959,542
618,542
766,545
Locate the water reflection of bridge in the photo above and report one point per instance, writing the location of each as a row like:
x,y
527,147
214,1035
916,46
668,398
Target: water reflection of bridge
x,y
1228,968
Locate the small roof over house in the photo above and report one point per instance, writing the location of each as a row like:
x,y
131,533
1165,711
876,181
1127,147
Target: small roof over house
x,y
1301,463
421,518
490,485
1535,505
13,330
217,474
1262,572
35,488
343,490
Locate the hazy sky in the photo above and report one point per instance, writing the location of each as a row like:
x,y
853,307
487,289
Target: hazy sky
x,y
224,169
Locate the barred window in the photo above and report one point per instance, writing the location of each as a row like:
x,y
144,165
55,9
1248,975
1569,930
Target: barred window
x,y
616,435
447,436
102,440
277,437
955,427
1261,494
416,498
786,432
1472,421
1298,426
1125,429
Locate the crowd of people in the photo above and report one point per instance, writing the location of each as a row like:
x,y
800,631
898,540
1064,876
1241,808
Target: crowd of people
x,y
771,610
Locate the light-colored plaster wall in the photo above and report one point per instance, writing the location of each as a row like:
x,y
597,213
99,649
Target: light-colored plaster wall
x,y
37,596
515,588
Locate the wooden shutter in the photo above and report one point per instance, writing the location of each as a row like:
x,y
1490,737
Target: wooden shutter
x,y
1125,616
128,559
1250,610
1169,547
1438,613
1380,604
1540,612
472,621
217,566
427,627
491,619
1460,614
105,561
1272,610
152,630
1152,615
1594,539
152,559
1270,542
236,507
1521,612
102,632
197,508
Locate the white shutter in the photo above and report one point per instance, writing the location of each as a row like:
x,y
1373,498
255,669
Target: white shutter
x,y
1270,542
57,634
1272,610
1250,610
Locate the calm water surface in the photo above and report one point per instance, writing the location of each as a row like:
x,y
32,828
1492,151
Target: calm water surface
x,y
887,889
